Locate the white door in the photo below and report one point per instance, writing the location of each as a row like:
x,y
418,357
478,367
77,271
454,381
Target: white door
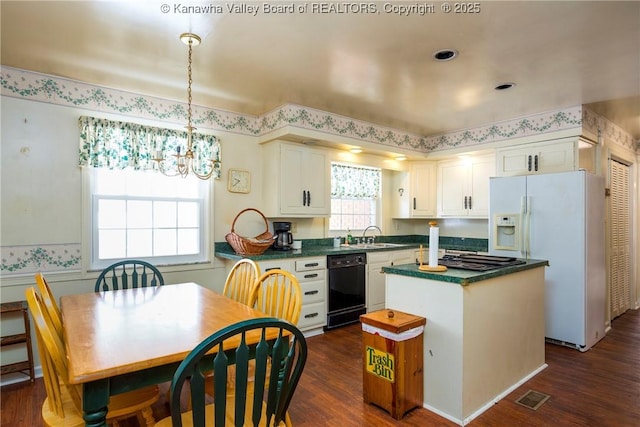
x,y
620,239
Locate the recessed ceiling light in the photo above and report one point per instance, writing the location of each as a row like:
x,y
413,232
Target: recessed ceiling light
x,y
356,150
401,158
445,54
505,86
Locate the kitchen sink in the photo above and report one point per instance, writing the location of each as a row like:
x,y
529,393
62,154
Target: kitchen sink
x,y
376,246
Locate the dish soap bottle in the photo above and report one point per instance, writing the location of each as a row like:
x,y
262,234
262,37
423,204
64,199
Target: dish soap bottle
x,y
349,237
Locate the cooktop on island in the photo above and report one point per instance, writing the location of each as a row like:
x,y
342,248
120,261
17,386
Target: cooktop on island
x,y
478,262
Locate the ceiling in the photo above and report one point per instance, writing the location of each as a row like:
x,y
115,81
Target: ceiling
x,y
376,67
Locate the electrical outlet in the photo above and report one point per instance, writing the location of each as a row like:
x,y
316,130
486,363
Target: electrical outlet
x,y
294,227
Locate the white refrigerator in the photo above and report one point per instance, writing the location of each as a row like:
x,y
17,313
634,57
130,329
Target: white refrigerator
x,y
557,217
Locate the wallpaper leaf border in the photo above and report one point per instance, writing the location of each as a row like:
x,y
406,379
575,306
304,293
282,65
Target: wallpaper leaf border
x,y
61,91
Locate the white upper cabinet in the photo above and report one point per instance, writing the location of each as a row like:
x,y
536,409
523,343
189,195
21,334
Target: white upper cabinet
x,y
296,181
463,186
423,189
416,197
543,157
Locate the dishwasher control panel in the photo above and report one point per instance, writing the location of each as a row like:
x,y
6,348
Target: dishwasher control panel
x,y
348,260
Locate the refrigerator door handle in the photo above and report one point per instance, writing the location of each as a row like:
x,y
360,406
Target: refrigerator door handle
x,y
527,249
523,225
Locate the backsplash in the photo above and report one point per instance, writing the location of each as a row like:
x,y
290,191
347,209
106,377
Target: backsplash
x,y
456,243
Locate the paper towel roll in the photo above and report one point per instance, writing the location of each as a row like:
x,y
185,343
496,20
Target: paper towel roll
x,y
433,246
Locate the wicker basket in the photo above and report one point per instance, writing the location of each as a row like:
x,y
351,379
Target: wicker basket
x,y
250,246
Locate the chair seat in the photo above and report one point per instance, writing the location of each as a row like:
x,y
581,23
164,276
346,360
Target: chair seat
x,y
120,406
187,420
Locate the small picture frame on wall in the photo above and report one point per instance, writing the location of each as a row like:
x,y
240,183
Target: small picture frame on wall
x,y
239,181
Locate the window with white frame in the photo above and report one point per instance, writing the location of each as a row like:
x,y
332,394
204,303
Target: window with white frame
x,y
134,211
146,215
355,194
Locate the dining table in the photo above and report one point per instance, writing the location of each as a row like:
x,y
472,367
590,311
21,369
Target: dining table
x,y
121,340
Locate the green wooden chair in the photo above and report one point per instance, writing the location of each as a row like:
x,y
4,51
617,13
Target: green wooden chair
x,y
278,362
132,273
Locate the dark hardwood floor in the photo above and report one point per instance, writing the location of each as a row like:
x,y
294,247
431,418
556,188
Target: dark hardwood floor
x,y
600,387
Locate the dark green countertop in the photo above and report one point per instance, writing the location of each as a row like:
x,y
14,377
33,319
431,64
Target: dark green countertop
x,y
321,247
461,277
307,252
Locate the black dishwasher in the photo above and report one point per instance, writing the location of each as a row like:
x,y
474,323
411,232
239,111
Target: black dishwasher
x,y
347,295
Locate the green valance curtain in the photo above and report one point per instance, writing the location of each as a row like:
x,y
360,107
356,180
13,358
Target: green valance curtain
x,y
119,145
354,182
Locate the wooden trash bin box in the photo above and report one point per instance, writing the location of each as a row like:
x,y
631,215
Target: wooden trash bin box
x,y
393,360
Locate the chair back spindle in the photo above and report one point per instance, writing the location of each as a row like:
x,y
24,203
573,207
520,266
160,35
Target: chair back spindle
x,y
50,304
129,274
279,358
278,294
240,280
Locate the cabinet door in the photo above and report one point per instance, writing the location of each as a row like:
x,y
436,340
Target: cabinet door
x,y
376,279
406,256
552,158
400,195
453,187
304,181
513,161
481,169
317,182
423,189
463,186
547,157
292,199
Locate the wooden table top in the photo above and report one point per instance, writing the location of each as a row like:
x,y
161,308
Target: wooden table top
x,y
117,332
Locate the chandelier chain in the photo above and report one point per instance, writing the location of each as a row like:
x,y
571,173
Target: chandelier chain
x,y
189,163
190,80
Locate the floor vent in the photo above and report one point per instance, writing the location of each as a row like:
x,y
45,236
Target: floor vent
x,y
533,399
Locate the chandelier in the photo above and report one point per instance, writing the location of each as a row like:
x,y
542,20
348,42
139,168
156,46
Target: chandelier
x,y
187,163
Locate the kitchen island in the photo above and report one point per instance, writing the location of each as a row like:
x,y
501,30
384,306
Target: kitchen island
x,y
485,332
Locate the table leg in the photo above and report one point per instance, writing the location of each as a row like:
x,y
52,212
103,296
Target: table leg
x,y
95,399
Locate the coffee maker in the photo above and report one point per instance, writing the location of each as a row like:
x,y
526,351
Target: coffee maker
x,y
283,237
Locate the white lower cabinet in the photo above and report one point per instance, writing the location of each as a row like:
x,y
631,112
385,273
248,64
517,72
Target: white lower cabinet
x,y
312,276
376,298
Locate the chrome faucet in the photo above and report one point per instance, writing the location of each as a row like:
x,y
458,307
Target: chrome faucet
x,y
374,237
